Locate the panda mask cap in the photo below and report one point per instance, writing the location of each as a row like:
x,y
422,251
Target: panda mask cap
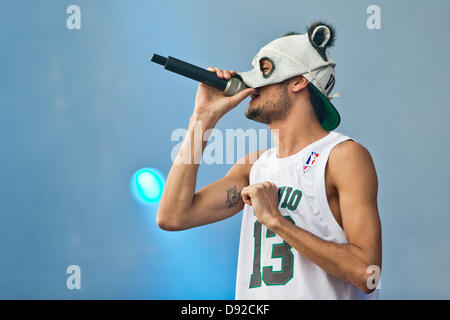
x,y
295,55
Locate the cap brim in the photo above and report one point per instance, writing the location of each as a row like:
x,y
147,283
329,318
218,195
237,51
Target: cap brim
x,y
331,117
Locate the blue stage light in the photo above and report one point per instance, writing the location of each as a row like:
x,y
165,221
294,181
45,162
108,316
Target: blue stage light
x,y
147,185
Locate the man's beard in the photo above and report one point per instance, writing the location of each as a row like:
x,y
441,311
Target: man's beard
x,y
270,111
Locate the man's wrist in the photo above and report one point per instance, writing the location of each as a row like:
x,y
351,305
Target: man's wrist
x,y
207,121
276,222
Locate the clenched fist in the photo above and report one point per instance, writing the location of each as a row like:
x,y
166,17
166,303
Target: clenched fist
x,y
263,197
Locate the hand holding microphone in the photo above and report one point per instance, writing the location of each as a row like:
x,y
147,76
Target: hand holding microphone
x,y
219,90
213,102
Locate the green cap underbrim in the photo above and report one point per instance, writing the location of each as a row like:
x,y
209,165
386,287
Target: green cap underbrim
x,y
331,117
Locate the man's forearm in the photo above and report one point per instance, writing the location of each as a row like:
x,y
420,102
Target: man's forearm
x,y
194,142
343,261
180,185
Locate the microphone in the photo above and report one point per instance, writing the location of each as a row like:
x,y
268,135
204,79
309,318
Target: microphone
x,y
230,87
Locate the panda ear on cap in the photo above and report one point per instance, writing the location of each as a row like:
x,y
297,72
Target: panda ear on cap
x,y
322,36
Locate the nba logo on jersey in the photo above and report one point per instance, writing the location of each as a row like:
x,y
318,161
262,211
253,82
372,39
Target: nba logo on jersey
x,y
311,159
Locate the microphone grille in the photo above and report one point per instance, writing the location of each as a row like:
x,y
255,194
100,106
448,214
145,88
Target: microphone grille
x,y
234,85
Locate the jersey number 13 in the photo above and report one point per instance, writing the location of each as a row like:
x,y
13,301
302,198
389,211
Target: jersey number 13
x,y
279,250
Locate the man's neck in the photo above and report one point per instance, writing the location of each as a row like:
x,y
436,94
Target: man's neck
x,y
296,132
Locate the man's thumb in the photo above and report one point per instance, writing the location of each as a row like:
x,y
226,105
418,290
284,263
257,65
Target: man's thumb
x,y
238,97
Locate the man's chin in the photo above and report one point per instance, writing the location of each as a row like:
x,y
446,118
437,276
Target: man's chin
x,y
255,115
252,113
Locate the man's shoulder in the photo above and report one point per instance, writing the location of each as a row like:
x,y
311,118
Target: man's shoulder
x,y
251,157
347,159
244,165
349,149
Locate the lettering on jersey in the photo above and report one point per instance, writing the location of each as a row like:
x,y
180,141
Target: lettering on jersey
x,y
289,197
311,160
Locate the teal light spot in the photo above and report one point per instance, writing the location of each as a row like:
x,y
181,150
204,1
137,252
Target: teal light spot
x,y
147,185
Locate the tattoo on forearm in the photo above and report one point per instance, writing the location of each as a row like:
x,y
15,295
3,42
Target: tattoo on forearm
x,y
233,197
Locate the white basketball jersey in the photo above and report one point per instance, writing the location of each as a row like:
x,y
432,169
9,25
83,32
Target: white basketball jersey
x,y
268,267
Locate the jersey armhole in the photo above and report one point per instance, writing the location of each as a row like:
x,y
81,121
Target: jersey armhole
x,y
320,189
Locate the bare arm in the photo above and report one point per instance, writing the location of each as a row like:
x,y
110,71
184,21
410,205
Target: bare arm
x,y
354,176
180,206
183,208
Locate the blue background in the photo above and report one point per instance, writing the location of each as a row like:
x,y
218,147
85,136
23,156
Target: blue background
x,y
82,110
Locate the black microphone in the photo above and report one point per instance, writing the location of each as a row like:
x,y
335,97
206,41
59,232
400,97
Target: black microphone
x,y
230,87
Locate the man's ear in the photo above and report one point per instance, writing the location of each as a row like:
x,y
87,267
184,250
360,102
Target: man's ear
x,y
299,83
